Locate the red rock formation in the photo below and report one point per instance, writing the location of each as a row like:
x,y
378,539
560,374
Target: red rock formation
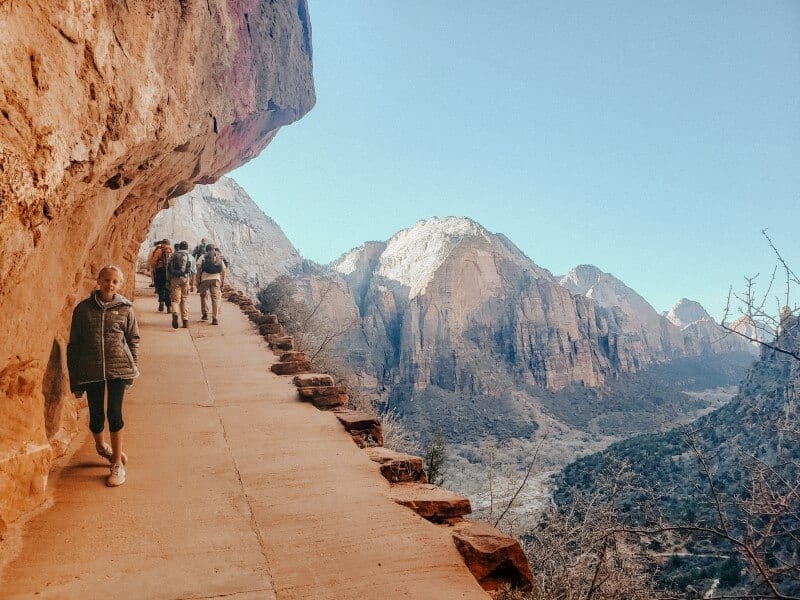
x,y
493,557
313,380
434,503
365,429
278,342
293,355
291,367
398,467
324,397
107,111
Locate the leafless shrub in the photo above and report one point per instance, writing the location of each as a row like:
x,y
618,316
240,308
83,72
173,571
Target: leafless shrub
x,y
761,314
396,436
583,551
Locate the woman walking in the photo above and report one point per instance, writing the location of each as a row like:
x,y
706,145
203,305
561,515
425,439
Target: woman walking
x,y
102,357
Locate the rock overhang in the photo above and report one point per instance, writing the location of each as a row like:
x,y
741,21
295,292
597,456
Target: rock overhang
x,y
108,110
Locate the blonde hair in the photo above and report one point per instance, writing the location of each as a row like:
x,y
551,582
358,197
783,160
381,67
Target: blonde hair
x,y
112,268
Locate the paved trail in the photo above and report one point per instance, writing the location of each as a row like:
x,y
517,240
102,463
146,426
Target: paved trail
x,y
235,489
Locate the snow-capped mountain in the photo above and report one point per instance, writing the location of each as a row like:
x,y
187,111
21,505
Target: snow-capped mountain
x,y
700,330
686,312
411,258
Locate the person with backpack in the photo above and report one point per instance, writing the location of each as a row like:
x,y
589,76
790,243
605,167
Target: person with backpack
x,y
180,272
200,249
211,273
102,357
158,263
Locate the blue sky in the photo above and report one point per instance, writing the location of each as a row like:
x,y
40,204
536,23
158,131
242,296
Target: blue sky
x,y
652,139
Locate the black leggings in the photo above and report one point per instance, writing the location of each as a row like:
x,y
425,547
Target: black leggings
x,y
94,395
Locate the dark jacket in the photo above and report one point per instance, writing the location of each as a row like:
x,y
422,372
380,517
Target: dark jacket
x,y
103,341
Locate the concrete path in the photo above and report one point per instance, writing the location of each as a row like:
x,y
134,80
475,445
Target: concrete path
x,y
235,489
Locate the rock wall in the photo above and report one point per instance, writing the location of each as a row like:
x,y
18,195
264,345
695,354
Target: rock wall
x,y
107,111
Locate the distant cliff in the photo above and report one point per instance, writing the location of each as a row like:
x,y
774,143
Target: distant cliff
x,y
446,294
256,248
459,329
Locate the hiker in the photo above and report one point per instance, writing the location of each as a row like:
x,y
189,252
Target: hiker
x,y
158,262
180,274
152,277
102,356
200,249
210,279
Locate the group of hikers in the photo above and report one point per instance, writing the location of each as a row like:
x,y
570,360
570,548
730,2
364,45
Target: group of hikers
x,y
102,353
176,272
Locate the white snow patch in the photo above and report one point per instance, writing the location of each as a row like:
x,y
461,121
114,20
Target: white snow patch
x,y
413,255
349,262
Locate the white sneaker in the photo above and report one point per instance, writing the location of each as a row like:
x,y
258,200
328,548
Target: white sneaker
x,y
117,476
107,453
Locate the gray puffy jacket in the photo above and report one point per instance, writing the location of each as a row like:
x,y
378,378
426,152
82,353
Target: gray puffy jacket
x,y
103,341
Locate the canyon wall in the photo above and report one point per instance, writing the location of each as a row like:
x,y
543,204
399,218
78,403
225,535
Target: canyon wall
x,y
108,110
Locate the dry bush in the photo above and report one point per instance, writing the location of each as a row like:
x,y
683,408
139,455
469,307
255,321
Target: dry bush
x,y
583,552
396,436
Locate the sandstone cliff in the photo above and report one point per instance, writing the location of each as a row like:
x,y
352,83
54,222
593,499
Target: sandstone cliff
x,y
256,248
459,328
446,293
108,111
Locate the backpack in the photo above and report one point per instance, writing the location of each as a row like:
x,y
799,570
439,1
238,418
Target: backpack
x,y
212,263
199,250
163,256
179,264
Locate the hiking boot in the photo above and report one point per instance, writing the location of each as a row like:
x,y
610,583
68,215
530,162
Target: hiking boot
x,y
174,321
214,321
160,307
107,453
117,476
169,308
185,323
204,317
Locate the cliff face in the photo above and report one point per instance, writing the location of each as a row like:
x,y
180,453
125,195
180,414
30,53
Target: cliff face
x,y
445,296
109,110
256,248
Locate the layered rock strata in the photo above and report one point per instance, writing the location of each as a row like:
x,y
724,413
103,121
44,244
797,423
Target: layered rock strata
x,y
430,502
110,110
398,467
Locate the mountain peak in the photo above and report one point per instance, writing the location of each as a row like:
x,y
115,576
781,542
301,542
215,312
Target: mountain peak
x,y
581,279
413,255
686,312
446,226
